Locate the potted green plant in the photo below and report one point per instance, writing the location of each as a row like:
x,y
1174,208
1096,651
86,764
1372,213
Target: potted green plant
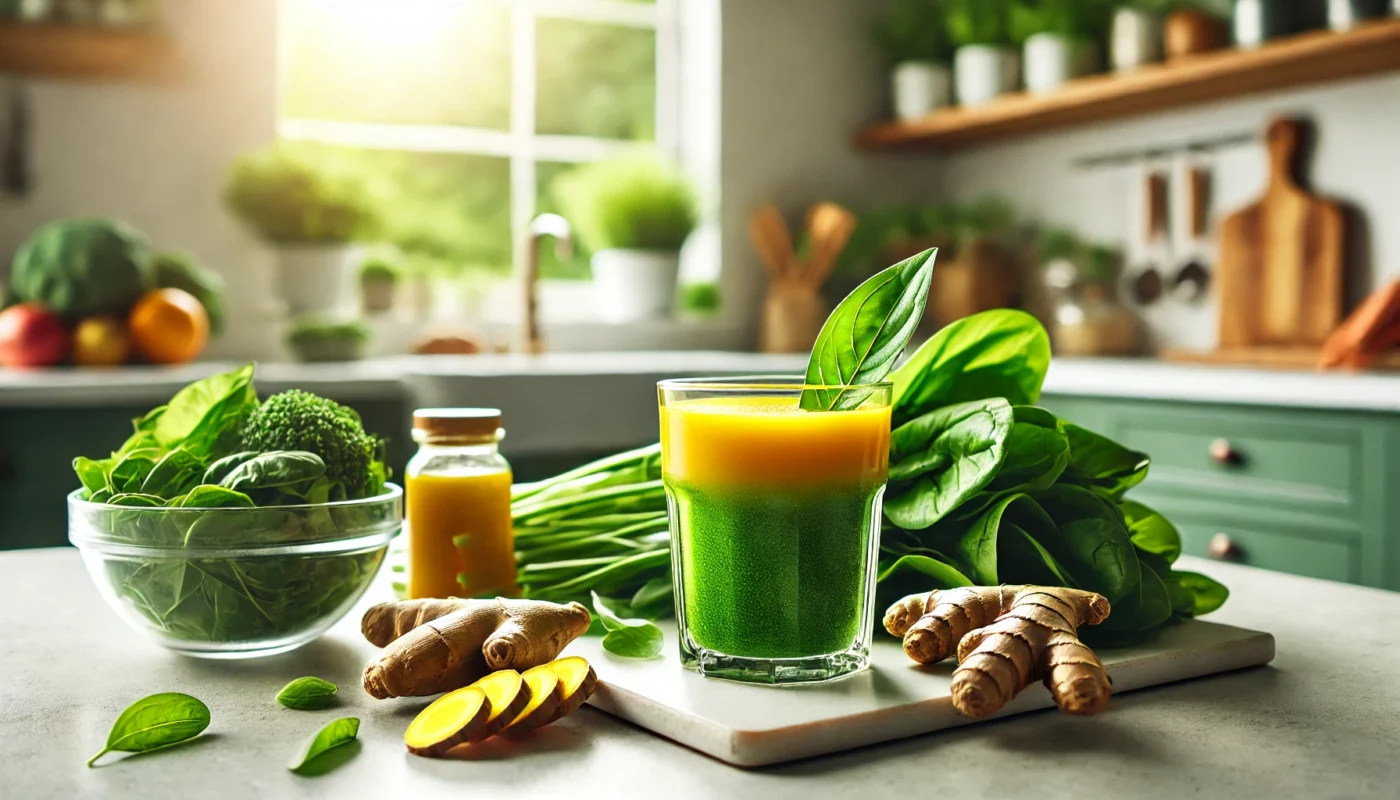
x,y
914,38
315,338
985,64
633,214
1059,39
312,215
379,281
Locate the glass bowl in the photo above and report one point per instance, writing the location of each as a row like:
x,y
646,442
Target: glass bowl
x,y
234,582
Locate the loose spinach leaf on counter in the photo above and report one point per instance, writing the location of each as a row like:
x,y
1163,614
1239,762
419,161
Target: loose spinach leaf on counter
x,y
629,638
867,333
336,734
1000,353
308,693
154,722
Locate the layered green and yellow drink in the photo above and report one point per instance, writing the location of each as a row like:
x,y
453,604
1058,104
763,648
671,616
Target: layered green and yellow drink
x,y
775,515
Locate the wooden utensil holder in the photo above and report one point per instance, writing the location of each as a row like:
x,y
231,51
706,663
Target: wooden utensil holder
x,y
793,313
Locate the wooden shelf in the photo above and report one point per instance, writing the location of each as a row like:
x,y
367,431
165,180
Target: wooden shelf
x,y
85,52
1309,58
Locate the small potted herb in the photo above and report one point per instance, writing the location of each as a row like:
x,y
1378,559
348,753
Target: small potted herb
x,y
1343,15
379,281
314,339
915,40
985,65
633,214
296,202
1059,39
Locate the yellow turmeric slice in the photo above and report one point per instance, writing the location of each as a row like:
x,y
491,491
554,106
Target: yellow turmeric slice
x,y
447,722
579,680
546,695
509,695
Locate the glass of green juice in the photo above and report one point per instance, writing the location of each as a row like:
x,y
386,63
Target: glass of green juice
x,y
775,525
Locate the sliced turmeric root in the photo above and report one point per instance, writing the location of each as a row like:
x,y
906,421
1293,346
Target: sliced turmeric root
x,y
509,695
579,680
447,722
546,695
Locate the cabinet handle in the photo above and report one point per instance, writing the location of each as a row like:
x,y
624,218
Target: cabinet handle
x,y
1225,454
1222,548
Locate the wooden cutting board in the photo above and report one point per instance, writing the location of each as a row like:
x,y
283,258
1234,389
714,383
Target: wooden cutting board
x,y
750,726
1282,259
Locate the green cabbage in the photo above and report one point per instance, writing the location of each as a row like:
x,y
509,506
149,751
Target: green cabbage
x,y
82,267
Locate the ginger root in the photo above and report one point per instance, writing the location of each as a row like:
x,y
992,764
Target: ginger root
x,y
1005,638
436,646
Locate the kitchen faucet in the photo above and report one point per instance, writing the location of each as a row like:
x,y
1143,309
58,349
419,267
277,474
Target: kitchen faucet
x,y
540,227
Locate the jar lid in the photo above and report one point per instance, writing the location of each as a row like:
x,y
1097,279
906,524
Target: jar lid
x,y
458,423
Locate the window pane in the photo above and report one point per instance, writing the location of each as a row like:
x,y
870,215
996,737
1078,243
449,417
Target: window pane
x,y
449,213
425,62
576,268
595,80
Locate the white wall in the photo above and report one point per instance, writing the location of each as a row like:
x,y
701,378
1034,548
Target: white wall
x,y
1355,162
156,155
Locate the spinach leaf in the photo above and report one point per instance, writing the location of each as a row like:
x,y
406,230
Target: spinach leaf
x,y
207,416
143,436
174,474
654,598
336,733
151,723
100,496
275,469
131,470
1036,454
1099,550
1206,594
629,638
136,499
943,458
93,474
1099,463
1151,532
999,353
866,333
204,496
221,468
308,693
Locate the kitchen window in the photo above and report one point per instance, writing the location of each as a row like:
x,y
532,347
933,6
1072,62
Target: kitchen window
x,y
464,112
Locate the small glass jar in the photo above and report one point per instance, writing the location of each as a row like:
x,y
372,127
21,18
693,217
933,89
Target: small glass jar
x,y
457,486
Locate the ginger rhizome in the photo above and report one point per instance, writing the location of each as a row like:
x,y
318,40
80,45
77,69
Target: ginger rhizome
x,y
1005,638
435,646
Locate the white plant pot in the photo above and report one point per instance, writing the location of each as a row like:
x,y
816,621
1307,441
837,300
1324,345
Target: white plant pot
x,y
1136,40
983,73
1051,60
920,87
633,285
317,278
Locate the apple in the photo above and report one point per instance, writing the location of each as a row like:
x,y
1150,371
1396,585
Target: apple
x,y
32,336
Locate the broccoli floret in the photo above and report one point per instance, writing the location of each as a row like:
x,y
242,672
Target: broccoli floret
x,y
298,420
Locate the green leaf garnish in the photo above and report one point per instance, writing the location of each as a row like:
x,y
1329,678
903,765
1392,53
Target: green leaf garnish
x,y
154,722
336,733
308,693
629,638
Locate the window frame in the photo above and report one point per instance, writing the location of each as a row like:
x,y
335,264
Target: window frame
x,y
520,143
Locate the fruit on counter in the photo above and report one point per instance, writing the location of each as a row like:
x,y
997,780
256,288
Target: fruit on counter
x,y
181,271
32,336
544,694
436,646
1006,637
83,267
100,342
169,326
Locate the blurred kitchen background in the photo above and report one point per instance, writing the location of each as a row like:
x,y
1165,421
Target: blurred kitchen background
x,y
547,205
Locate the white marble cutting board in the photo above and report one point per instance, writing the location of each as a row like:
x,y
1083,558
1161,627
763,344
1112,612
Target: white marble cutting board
x,y
751,726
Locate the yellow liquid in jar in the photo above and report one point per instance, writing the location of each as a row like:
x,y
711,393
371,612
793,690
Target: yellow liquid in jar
x,y
442,507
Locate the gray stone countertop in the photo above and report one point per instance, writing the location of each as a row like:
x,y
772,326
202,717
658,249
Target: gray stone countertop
x,y
1320,722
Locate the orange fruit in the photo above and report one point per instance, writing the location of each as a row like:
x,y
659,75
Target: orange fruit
x,y
169,326
100,342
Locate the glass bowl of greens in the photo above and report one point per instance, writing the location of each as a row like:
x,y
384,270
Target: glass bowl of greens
x,y
234,582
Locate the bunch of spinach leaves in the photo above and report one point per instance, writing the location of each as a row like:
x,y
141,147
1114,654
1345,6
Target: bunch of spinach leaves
x,y
985,487
184,459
